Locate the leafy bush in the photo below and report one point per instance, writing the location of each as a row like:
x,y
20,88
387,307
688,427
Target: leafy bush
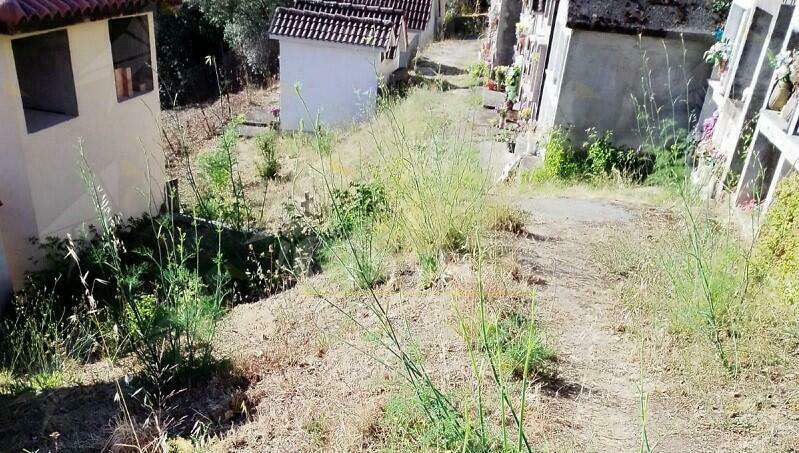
x,y
243,23
479,72
599,159
268,166
221,195
721,7
777,250
355,207
499,75
670,161
561,160
185,38
602,156
512,79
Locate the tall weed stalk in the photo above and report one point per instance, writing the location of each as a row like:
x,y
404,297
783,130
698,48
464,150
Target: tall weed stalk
x,y
426,219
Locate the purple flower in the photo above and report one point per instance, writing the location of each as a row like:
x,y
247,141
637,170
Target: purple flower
x,y
275,111
708,126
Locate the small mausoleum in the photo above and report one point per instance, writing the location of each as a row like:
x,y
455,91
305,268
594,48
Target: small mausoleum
x,y
74,75
603,58
333,59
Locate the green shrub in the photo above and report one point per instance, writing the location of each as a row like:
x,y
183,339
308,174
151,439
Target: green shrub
x,y
777,250
221,195
561,161
670,167
721,7
268,165
355,207
602,156
479,72
499,75
512,79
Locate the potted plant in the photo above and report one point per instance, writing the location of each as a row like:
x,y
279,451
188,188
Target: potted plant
x,y
512,78
499,76
719,55
784,86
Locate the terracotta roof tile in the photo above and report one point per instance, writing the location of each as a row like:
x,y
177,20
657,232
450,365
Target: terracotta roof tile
x,y
417,12
24,15
338,23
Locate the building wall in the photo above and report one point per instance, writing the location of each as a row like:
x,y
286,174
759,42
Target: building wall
x,y
39,175
337,82
603,74
17,218
418,39
427,35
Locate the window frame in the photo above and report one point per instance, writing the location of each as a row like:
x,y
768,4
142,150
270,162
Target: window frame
x,y
149,63
68,72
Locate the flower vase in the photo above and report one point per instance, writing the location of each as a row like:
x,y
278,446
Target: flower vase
x,y
721,69
780,95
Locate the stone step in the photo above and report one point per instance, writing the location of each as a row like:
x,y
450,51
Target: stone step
x,y
259,118
492,99
250,131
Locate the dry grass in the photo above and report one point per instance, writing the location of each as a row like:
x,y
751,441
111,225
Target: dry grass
x,y
667,311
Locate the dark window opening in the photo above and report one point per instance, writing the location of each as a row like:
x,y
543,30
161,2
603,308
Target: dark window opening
x,y
130,49
46,82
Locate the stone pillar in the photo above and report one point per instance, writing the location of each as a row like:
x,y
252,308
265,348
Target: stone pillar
x,y
509,15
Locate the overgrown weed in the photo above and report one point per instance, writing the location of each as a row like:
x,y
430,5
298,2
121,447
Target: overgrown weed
x,y
690,284
435,195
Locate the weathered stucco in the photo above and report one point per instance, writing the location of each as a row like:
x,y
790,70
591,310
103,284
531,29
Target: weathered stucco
x,y
41,188
338,83
602,79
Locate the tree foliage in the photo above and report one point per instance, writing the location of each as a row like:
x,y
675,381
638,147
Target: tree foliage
x,y
245,25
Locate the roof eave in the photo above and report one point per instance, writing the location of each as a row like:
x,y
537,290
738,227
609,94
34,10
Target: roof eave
x,y
631,30
38,25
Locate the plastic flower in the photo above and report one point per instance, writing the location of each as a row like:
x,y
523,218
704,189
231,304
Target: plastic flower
x,y
719,52
708,126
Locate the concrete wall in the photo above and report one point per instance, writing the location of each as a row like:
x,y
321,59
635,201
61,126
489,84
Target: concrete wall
x,y
603,72
338,83
40,184
418,39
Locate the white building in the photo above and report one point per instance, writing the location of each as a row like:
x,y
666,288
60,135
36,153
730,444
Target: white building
x,y
74,74
337,55
423,18
588,70
755,144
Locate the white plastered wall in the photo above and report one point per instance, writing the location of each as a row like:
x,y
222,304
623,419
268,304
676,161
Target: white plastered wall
x,y
337,82
40,183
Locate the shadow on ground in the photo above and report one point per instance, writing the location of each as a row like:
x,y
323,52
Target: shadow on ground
x,y
86,417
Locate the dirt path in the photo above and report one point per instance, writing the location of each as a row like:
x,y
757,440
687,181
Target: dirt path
x,y
597,406
598,402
